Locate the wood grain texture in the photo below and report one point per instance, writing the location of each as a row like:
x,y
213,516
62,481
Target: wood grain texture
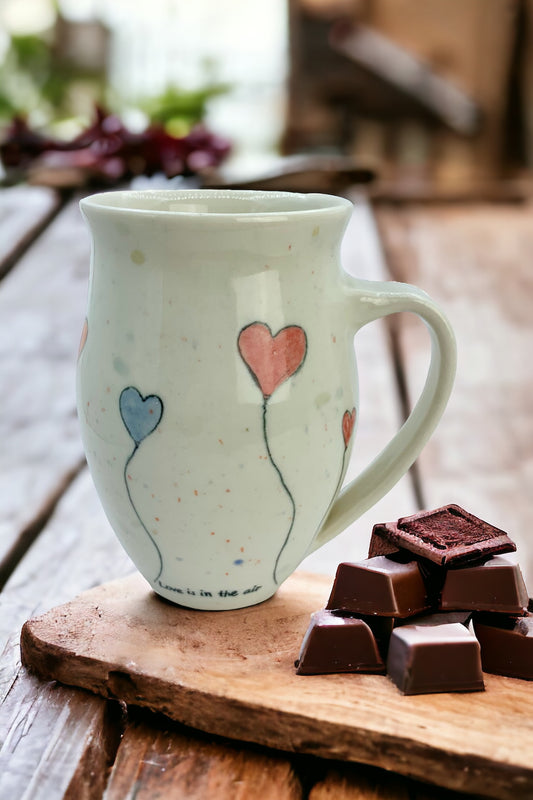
x,y
56,742
42,308
156,763
233,675
76,550
475,261
24,210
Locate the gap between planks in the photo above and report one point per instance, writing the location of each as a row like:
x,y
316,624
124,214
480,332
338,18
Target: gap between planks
x,y
42,308
32,529
25,211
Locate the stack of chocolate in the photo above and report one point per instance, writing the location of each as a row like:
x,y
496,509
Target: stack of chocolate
x,y
436,602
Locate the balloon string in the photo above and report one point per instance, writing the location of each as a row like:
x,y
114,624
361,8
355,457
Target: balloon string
x,y
126,479
286,488
341,476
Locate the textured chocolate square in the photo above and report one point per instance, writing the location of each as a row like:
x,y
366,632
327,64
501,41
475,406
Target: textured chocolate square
x,y
441,658
382,540
338,644
447,536
381,586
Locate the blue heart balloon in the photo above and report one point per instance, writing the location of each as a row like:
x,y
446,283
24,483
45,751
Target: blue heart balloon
x,y
141,415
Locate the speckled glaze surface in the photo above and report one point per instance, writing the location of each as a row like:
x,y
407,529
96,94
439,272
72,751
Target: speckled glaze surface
x,y
217,389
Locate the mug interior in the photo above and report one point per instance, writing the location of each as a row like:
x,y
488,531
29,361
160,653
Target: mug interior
x,y
214,202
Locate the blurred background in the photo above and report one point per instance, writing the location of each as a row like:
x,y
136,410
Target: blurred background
x,y
419,99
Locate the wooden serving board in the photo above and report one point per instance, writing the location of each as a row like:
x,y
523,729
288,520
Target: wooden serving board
x,y
231,673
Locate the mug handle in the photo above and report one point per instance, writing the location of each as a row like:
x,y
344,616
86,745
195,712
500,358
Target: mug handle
x,y
378,299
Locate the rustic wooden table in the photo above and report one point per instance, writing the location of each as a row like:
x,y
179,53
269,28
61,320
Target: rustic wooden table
x,y
60,742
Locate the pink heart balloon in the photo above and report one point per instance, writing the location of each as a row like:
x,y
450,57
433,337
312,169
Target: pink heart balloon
x,y
272,359
83,339
348,421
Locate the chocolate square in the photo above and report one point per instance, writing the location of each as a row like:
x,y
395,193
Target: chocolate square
x,y
381,627
380,586
338,644
496,585
447,536
506,644
439,658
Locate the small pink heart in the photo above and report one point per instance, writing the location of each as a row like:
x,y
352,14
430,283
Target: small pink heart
x,y
83,339
348,421
272,359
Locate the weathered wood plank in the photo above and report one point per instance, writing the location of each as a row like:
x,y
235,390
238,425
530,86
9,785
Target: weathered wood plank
x,y
380,413
172,762
56,742
42,307
476,261
52,735
76,550
24,210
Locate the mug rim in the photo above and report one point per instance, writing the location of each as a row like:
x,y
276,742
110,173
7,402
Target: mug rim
x,y
215,203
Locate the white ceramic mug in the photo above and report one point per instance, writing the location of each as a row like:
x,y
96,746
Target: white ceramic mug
x,y
217,387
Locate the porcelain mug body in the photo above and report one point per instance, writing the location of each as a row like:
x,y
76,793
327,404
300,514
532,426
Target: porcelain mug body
x,y
217,387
